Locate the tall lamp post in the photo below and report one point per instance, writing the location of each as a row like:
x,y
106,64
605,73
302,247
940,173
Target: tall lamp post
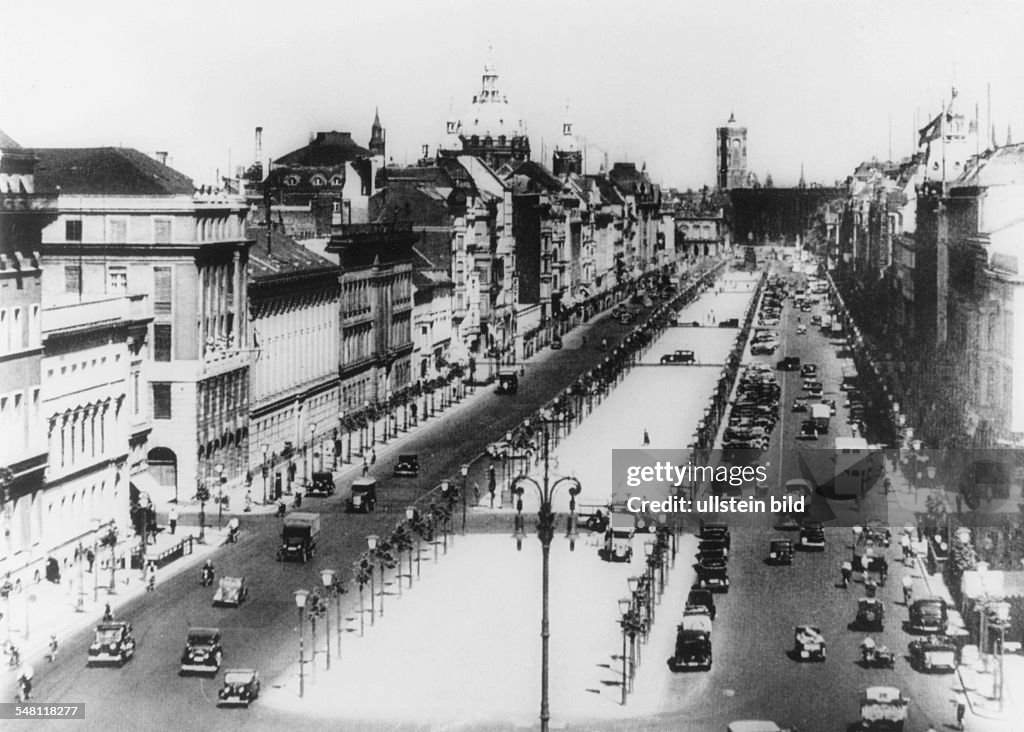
x,y
300,603
95,523
545,532
465,474
308,469
219,470
371,544
266,471
413,517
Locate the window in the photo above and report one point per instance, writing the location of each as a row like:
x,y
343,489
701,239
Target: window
x,y
162,231
135,392
5,332
117,231
162,290
318,181
117,279
73,230
72,278
161,401
162,342
18,332
291,180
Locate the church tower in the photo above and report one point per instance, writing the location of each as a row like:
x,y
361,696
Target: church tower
x,y
732,155
568,157
376,146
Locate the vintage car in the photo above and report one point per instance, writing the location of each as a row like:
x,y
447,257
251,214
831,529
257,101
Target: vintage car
x,y
767,348
870,614
693,649
556,343
789,363
809,371
801,329
508,381
934,653
708,554
708,545
812,538
594,518
800,404
684,357
230,591
704,599
812,387
322,484
754,725
780,552
363,495
808,430
203,652
407,466
928,615
113,643
808,643
883,708
715,578
618,545
877,534
715,531
241,686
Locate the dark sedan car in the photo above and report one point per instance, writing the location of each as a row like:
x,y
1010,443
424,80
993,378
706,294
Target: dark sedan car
x,y
789,363
203,651
407,465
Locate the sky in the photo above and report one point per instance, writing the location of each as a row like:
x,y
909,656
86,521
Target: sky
x,y
821,83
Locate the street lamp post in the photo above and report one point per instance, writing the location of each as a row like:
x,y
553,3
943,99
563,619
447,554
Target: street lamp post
x,y
412,516
266,470
219,470
625,605
307,471
96,552
327,577
371,543
545,532
300,603
465,473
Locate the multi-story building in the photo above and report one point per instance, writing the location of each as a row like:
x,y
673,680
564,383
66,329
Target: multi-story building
x,y
431,323
88,409
294,298
128,224
376,311
23,215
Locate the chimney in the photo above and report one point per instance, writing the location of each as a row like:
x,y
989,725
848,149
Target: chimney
x,y
426,151
259,144
161,155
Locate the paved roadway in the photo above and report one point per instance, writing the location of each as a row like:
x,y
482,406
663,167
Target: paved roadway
x,y
148,693
752,677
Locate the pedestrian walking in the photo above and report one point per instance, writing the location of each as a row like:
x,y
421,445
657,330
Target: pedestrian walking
x,y
248,501
52,655
150,577
647,438
908,589
90,558
846,570
366,466
107,614
373,456
905,547
172,520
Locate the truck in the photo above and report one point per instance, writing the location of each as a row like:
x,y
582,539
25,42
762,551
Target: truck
x,y
299,536
821,414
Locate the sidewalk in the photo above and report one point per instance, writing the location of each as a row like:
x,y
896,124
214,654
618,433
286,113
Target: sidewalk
x,y
78,601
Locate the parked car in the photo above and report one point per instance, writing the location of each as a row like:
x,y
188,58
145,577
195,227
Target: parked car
x,y
702,598
508,381
928,615
780,552
692,650
407,465
322,484
618,545
789,363
683,357
113,642
230,591
934,653
800,404
813,387
801,329
808,430
764,349
241,686
809,371
363,495
715,531
808,643
203,652
556,343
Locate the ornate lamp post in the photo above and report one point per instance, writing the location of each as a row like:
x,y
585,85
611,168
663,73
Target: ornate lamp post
x,y
203,494
95,523
327,578
371,544
265,471
307,470
545,532
465,473
417,524
219,470
300,603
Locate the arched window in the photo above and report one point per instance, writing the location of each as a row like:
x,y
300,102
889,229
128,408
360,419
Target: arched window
x,y
318,181
291,180
337,181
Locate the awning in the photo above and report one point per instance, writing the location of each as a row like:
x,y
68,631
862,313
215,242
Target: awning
x,y
146,485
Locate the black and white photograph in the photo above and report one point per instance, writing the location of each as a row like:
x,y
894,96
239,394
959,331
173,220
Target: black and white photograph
x,y
512,365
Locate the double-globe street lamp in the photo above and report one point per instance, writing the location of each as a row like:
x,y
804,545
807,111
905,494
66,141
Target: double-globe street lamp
x,y
332,586
545,532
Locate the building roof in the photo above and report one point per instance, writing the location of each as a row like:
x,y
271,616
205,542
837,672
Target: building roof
x,y
1003,166
8,143
529,175
325,150
286,256
107,171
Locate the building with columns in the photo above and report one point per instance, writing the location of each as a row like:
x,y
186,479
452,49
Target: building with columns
x,y
127,224
23,214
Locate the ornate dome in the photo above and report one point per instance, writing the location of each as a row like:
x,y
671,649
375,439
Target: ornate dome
x,y
490,113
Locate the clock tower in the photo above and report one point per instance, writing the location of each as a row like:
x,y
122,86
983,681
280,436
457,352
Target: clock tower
x,y
732,155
